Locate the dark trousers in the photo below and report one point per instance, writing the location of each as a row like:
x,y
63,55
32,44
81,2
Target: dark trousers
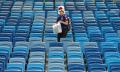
x,y
58,37
61,35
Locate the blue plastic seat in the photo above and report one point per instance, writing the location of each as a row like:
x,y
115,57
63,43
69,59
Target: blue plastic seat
x,y
74,55
90,55
38,48
108,47
37,44
36,35
37,60
1,67
18,39
37,54
55,55
55,60
94,61
76,68
37,29
35,39
56,44
6,49
97,68
115,67
9,29
17,60
12,67
56,49
19,55
49,6
34,67
22,29
38,6
3,63
111,55
90,47
113,64
5,39
56,67
73,49
69,6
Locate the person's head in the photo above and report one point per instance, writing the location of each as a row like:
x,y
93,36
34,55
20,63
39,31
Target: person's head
x,y
61,12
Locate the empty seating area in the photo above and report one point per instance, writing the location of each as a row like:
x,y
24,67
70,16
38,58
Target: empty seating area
x,y
28,44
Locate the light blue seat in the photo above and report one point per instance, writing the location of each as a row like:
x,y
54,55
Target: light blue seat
x,y
37,29
101,6
50,39
37,54
113,39
38,6
74,55
36,35
56,55
17,60
80,5
37,43
23,29
72,44
111,35
37,60
73,49
107,29
56,49
69,5
56,67
6,49
49,6
11,67
35,39
21,49
111,55
33,67
55,60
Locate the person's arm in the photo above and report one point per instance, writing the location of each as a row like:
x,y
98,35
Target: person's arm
x,y
66,22
57,20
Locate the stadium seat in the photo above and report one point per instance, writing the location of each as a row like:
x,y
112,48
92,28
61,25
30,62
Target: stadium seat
x,y
12,67
35,67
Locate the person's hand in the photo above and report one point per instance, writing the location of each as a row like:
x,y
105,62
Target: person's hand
x,y
60,21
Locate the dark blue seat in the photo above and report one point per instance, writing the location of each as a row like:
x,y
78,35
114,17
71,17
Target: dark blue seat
x,y
5,39
1,67
90,55
55,44
5,56
19,55
76,67
38,48
96,68
94,61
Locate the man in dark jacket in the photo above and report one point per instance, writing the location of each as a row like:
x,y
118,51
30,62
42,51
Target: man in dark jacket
x,y
63,19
